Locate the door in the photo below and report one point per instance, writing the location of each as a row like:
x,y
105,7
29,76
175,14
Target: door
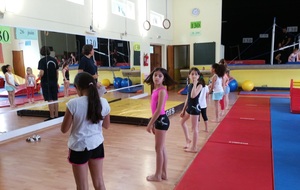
x,y
18,63
155,59
170,64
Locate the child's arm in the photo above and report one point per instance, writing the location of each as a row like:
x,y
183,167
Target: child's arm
x,y
195,90
213,80
159,107
106,121
67,122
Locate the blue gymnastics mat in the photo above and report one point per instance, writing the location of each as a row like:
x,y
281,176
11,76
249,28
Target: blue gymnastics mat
x,y
286,145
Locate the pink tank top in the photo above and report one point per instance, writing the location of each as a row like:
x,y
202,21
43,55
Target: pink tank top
x,y
154,100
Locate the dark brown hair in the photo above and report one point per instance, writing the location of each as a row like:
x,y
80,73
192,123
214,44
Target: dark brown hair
x,y
86,49
45,51
85,81
168,81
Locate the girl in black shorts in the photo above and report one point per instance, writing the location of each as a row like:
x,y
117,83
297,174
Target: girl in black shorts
x,y
85,116
192,109
159,123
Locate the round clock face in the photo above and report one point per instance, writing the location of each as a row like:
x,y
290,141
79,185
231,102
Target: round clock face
x,y
147,25
166,24
196,11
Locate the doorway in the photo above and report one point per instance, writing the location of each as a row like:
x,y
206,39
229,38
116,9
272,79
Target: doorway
x,y
155,58
18,63
178,59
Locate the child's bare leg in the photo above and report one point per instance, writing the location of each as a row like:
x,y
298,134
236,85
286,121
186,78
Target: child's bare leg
x,y
13,98
195,123
160,136
216,110
227,101
96,170
185,130
81,176
164,175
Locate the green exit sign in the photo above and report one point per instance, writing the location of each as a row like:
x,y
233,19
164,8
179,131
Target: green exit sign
x,y
196,24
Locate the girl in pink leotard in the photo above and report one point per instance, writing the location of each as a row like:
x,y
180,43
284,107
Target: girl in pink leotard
x,y
159,123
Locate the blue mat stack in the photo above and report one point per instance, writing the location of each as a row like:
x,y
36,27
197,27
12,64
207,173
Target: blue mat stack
x,y
286,145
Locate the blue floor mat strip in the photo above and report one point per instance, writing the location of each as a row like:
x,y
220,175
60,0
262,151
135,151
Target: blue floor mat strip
x,y
286,145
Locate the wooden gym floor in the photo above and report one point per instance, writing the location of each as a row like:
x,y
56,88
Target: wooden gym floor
x,y
129,155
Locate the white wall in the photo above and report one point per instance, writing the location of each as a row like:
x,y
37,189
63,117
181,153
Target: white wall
x,y
66,17
210,17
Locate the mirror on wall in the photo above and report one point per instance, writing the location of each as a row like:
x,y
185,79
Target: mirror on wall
x,y
108,52
20,47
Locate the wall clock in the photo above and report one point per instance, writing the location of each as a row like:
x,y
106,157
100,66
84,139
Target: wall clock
x,y
196,11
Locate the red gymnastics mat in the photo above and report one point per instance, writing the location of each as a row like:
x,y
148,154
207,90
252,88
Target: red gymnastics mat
x,y
222,166
247,113
252,102
21,100
237,131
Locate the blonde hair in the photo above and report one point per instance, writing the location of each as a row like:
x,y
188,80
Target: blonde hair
x,y
30,69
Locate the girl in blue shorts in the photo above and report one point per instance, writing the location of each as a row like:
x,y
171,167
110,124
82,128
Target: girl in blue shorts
x,y
217,85
10,86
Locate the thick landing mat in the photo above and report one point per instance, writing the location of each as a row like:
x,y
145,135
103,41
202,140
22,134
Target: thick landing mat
x,y
126,111
43,111
222,166
237,131
137,111
286,145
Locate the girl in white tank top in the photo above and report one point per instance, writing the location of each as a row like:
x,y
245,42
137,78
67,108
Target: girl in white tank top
x,y
216,87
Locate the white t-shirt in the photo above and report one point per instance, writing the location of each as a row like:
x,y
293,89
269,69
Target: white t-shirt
x,y
11,79
85,134
202,97
218,86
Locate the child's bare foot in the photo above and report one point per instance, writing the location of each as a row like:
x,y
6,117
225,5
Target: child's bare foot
x,y
164,177
187,144
191,150
215,121
222,113
153,178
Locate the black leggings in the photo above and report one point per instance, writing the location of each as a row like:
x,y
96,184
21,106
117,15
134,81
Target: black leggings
x,y
203,114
